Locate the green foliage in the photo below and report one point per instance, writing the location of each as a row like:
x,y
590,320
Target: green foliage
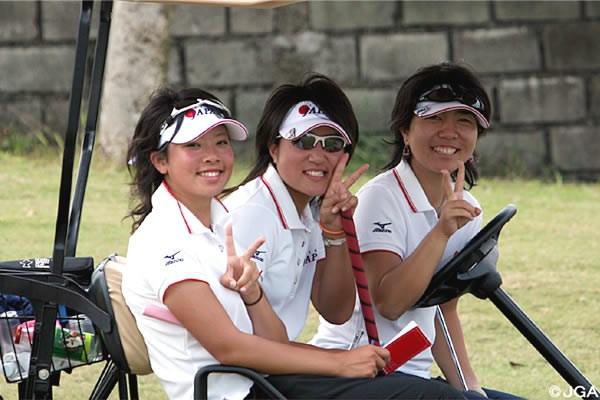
x,y
37,142
374,149
513,166
548,261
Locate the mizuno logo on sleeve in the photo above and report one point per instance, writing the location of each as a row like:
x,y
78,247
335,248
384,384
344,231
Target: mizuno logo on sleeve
x,y
381,227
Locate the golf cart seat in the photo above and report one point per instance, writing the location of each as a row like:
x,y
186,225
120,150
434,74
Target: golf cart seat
x,y
128,355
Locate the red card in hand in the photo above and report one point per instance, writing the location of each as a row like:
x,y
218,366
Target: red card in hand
x,y
409,342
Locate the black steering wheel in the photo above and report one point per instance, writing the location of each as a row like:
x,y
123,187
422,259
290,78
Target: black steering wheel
x,y
475,263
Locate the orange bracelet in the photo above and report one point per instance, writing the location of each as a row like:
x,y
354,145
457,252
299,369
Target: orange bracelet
x,y
330,232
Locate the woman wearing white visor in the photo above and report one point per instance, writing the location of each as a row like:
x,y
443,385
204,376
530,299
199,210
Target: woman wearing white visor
x,y
412,218
293,197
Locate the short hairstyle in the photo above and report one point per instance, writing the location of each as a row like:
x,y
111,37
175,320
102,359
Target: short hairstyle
x,y
422,80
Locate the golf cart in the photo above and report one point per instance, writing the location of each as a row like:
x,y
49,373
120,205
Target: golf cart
x,y
67,285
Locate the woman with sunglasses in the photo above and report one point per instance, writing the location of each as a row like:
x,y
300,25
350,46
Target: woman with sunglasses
x,y
415,216
293,197
188,311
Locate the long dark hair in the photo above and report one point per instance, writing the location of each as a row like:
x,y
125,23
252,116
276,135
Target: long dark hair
x,y
424,79
317,88
145,178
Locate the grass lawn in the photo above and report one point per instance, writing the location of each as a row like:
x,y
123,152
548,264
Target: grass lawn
x,y
548,259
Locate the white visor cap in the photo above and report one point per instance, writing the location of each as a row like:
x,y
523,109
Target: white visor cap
x,y
429,108
197,120
304,117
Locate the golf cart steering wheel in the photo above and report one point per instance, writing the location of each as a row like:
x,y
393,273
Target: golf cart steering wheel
x,y
466,268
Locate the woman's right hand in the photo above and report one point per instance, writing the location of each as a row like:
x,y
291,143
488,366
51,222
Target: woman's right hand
x,y
362,362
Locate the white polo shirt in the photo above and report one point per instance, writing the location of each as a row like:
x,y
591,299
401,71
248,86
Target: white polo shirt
x,y
169,247
394,215
293,244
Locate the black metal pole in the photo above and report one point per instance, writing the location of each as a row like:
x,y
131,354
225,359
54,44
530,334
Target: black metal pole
x,y
90,128
542,343
39,383
64,200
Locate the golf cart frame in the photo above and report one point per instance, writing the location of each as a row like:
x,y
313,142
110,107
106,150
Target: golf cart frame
x,y
471,271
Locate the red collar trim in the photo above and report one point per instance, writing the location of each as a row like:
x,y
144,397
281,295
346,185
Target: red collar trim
x,y
178,205
404,191
221,203
279,211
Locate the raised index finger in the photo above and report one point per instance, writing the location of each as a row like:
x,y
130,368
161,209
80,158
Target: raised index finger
x,y
338,172
460,180
229,241
253,247
355,175
446,185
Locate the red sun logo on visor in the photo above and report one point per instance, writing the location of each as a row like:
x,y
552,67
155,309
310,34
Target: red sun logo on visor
x,y
190,113
304,109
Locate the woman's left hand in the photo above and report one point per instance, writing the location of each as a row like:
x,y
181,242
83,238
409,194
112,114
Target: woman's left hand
x,y
241,274
338,196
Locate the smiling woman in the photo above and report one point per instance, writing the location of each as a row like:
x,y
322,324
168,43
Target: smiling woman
x,y
438,115
304,139
181,159
199,127
191,176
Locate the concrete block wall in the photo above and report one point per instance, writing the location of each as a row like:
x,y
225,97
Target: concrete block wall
x,y
540,60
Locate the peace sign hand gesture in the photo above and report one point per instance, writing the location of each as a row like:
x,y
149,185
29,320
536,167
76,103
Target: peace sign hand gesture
x,y
338,196
455,211
241,274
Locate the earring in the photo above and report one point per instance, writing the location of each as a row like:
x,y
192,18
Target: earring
x,y
406,151
470,160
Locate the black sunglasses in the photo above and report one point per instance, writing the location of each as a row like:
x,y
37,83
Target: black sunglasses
x,y
331,144
444,93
